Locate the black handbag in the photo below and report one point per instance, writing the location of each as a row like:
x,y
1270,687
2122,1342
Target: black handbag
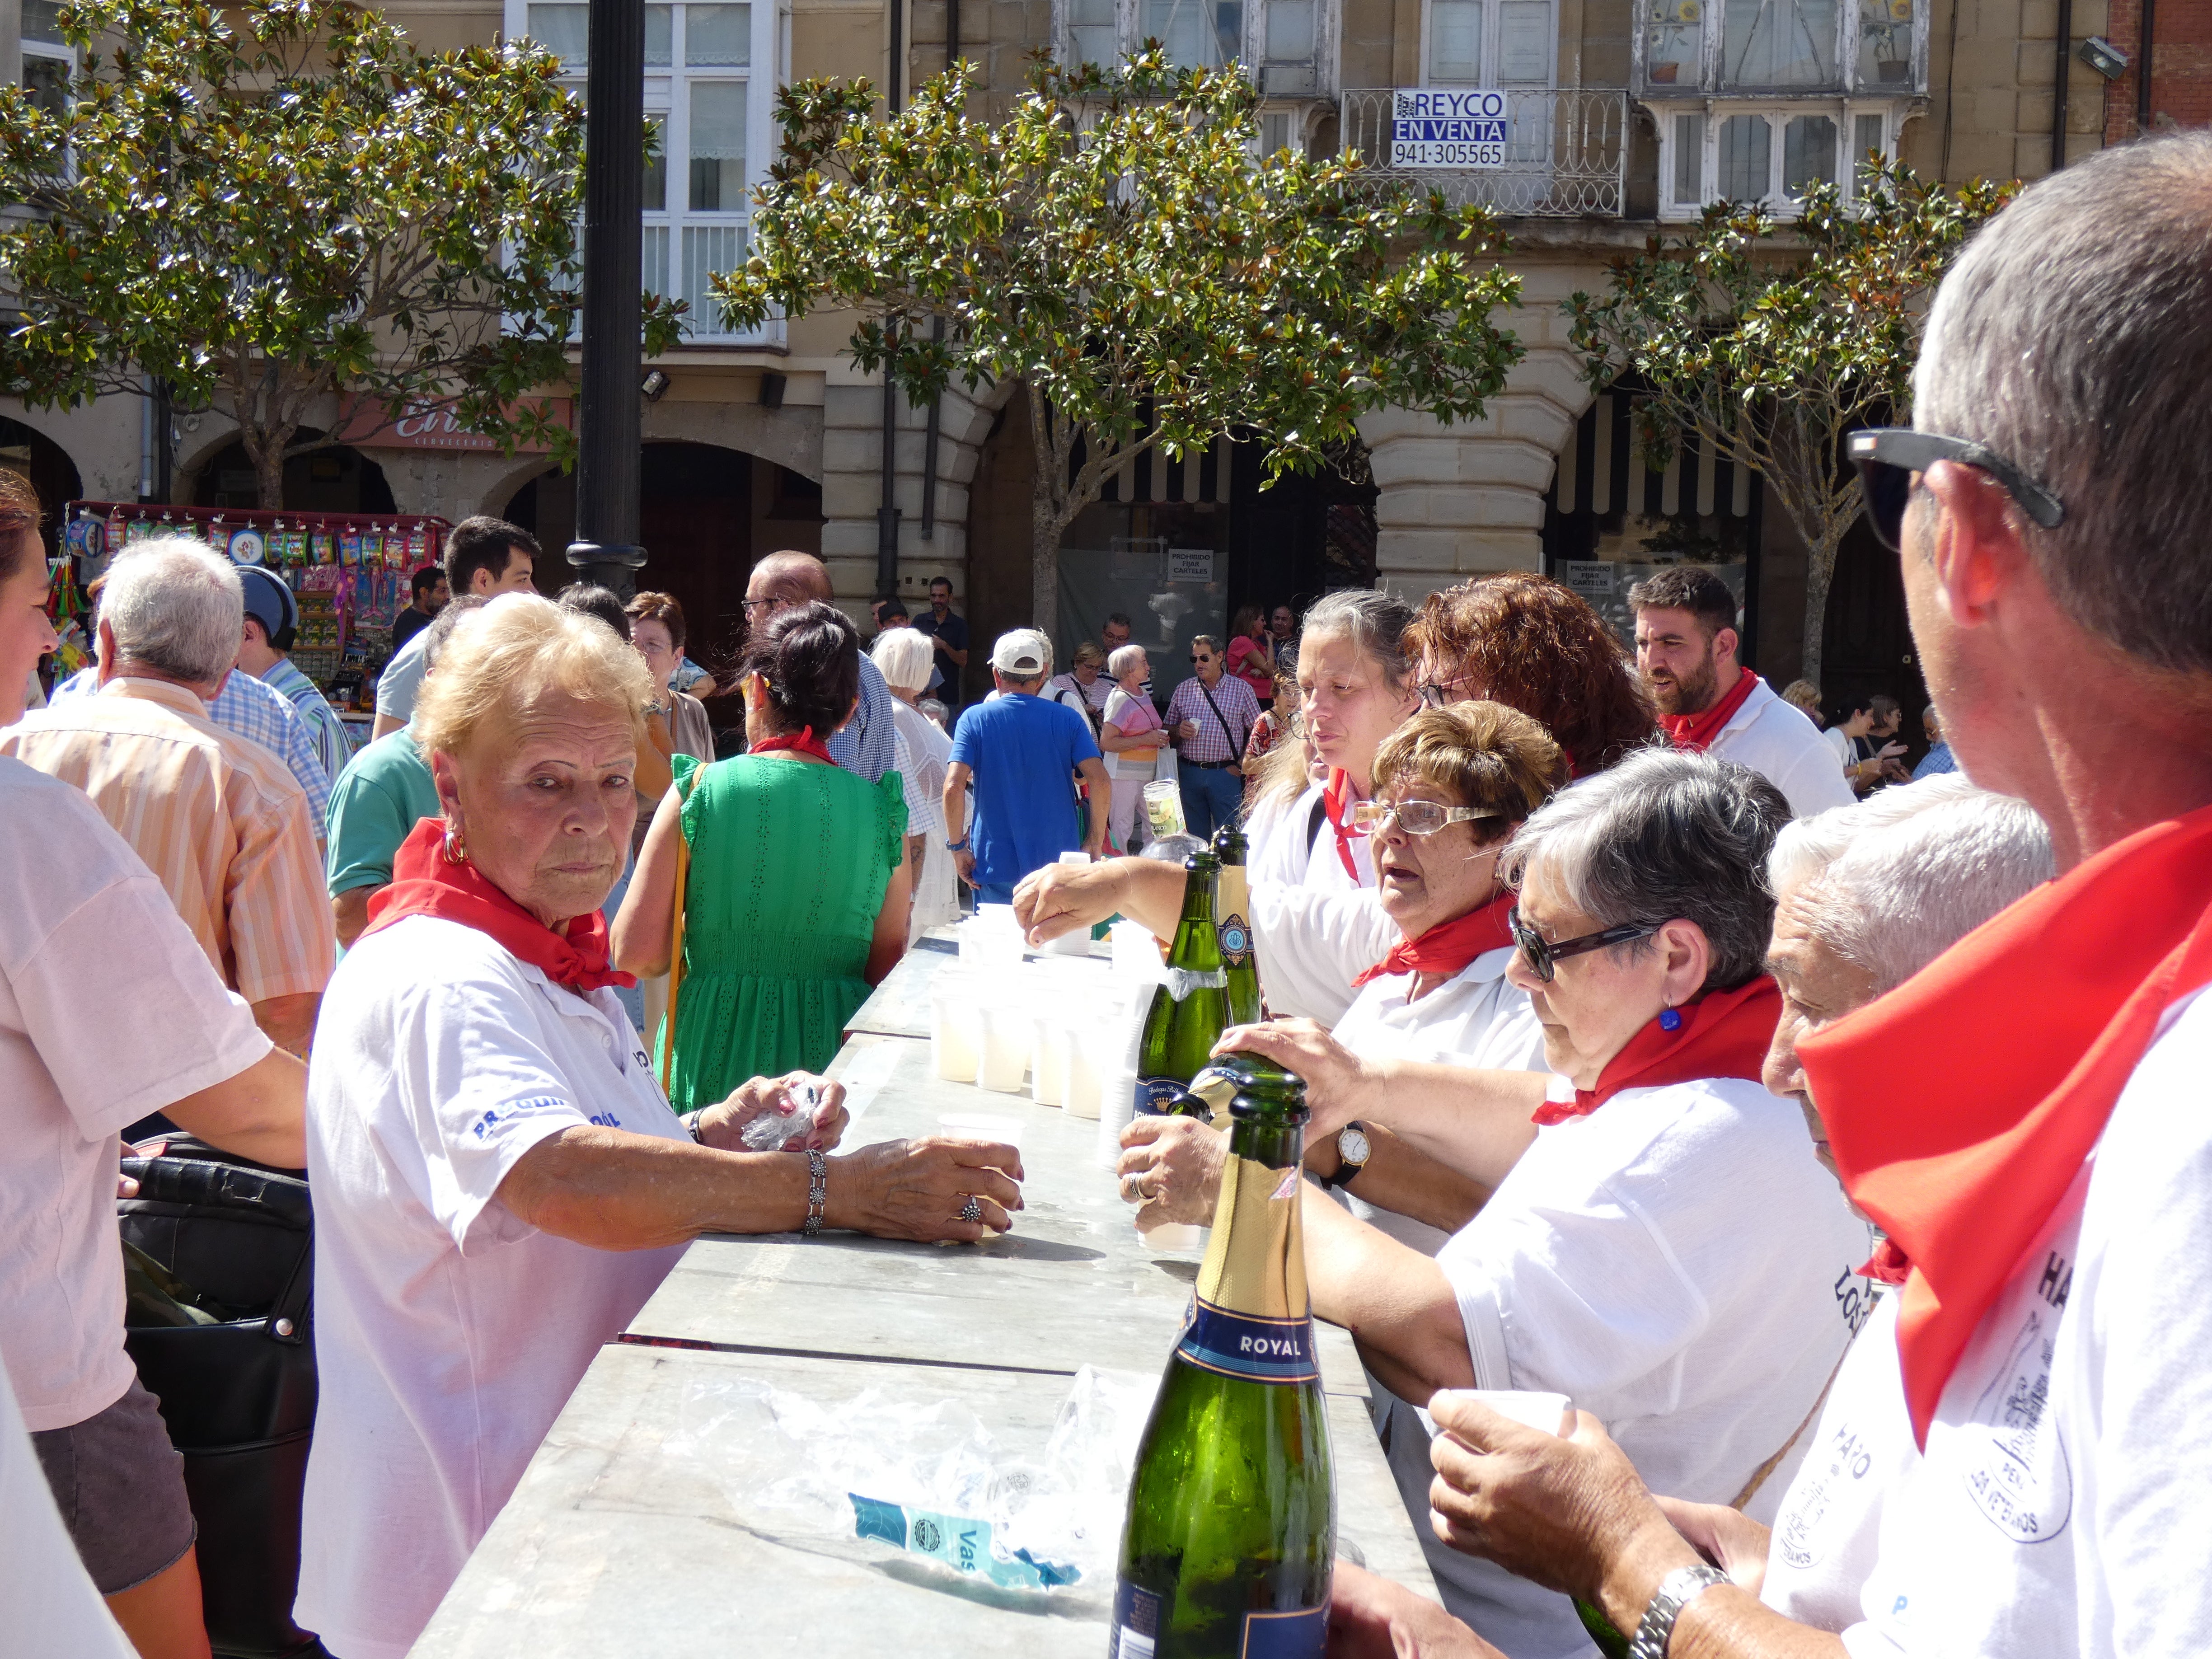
x,y
219,1256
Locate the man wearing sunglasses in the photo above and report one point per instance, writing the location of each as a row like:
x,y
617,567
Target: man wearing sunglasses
x,y
1686,647
1210,714
2026,1117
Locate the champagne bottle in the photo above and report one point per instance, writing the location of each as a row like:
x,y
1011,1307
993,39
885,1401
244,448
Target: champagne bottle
x,y
1233,906
1191,1007
1231,1542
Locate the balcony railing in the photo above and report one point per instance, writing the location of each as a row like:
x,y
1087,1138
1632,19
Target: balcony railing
x,y
1565,153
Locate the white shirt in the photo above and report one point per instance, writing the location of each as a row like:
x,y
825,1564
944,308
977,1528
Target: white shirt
x,y
936,897
1315,929
448,1335
51,1606
401,682
1474,1019
109,1010
1776,740
1861,1449
2065,1499
1669,1263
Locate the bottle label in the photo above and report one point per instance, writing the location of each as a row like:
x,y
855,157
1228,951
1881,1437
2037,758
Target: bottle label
x,y
1235,904
1301,1634
1136,1623
1181,981
1239,1344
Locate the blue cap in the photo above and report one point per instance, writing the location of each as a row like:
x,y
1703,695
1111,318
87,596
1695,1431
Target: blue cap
x,y
268,600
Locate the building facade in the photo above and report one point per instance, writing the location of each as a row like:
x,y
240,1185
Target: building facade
x,y
1626,116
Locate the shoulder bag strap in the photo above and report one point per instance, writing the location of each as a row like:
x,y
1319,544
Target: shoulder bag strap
x,y
1237,744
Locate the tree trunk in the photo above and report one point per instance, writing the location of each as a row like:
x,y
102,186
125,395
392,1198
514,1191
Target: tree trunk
x,y
1044,553
1820,575
268,474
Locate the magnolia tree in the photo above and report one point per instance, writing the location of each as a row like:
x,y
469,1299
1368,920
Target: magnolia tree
x,y
269,203
1118,246
1772,355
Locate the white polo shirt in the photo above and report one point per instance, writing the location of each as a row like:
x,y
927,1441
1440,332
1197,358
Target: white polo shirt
x,y
1829,1526
1474,1019
1671,1263
109,1011
1777,741
2065,1500
448,1335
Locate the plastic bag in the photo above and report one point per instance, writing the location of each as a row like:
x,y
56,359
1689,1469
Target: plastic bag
x,y
929,1477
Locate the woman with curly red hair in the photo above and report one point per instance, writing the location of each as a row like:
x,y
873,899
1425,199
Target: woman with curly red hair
x,y
1534,645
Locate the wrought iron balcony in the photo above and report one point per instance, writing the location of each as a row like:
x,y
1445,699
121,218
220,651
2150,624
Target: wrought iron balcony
x,y
1563,156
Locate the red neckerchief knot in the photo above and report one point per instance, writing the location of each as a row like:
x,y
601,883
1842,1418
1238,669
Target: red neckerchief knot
x,y
1449,946
1697,731
425,882
1335,798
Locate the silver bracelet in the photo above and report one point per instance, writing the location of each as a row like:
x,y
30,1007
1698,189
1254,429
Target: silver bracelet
x,y
1676,1591
818,1189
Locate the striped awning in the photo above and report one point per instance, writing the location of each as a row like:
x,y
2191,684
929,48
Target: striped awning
x,y
1151,475
1603,469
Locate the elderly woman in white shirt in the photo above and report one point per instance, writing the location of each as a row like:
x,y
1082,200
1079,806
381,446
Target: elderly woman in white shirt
x,y
499,1181
1666,1251
1451,787
905,657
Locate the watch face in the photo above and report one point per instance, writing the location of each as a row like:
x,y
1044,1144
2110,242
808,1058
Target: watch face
x,y
1352,1147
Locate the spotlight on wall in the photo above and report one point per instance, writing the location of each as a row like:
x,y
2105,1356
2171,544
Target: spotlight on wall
x,y
2102,56
771,391
655,383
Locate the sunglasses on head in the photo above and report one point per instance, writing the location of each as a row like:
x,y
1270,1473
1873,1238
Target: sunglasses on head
x,y
1543,957
1888,456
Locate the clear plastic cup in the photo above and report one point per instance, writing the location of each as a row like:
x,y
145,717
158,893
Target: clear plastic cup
x,y
956,1032
1048,1057
1008,1037
998,1126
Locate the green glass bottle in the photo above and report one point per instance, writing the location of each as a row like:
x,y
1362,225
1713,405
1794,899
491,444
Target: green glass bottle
x,y
1610,1642
1231,1542
1190,1008
1232,905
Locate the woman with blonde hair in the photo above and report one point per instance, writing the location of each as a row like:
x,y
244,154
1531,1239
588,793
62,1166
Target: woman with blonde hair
x,y
498,1181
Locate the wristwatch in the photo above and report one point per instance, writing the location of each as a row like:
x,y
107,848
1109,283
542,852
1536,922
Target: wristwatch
x,y
959,846
1353,1149
1676,1591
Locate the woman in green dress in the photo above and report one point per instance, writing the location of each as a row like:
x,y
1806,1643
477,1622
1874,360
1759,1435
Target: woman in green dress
x,y
794,896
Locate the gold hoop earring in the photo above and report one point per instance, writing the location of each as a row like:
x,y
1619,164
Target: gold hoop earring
x,y
454,851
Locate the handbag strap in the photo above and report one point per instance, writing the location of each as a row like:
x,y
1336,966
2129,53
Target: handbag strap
x,y
675,945
1237,744
288,1314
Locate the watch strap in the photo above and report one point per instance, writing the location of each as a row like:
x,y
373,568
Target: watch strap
x,y
1341,1176
1676,1591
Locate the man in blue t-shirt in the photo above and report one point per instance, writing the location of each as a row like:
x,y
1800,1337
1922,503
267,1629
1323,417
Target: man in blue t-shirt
x,y
1022,753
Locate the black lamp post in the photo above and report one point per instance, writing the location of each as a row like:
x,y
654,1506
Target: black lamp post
x,y
606,550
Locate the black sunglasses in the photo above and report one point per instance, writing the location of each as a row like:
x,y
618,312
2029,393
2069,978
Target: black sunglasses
x,y
1888,457
1543,957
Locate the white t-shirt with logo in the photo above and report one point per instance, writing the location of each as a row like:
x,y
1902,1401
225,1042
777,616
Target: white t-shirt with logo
x,y
2064,1504
1671,1263
1829,1525
109,1011
1474,1019
448,1333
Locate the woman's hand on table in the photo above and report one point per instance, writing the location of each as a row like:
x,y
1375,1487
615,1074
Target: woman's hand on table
x,y
917,1189
1170,1168
722,1126
1337,1080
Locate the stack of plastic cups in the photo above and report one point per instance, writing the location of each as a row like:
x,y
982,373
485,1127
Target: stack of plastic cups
x,y
956,1027
1047,1056
1116,1042
1007,1038
1076,941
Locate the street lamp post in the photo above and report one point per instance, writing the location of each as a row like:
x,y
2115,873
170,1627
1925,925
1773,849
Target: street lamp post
x,y
606,548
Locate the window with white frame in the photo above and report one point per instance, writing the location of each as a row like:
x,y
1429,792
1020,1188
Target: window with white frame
x,y
1286,43
712,126
1488,43
1787,93
49,62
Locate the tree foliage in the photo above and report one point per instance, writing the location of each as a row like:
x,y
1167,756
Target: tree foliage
x,y
272,203
1117,246
1771,353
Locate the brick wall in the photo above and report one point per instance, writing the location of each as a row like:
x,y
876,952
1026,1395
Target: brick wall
x,y
2180,68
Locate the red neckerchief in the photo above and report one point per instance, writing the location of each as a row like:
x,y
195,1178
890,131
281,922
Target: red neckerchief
x,y
1449,945
806,744
1697,731
1722,1033
2019,1039
425,882
1887,1265
1335,799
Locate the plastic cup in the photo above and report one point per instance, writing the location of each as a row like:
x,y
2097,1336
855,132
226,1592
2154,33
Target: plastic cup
x,y
1047,1058
1163,802
1008,1037
956,1033
1176,1238
1533,1409
981,1126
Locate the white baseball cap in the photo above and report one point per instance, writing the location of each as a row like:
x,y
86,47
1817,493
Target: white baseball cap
x,y
1021,654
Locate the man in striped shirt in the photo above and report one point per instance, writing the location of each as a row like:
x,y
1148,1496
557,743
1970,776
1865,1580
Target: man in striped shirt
x,y
272,623
218,818
1210,714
